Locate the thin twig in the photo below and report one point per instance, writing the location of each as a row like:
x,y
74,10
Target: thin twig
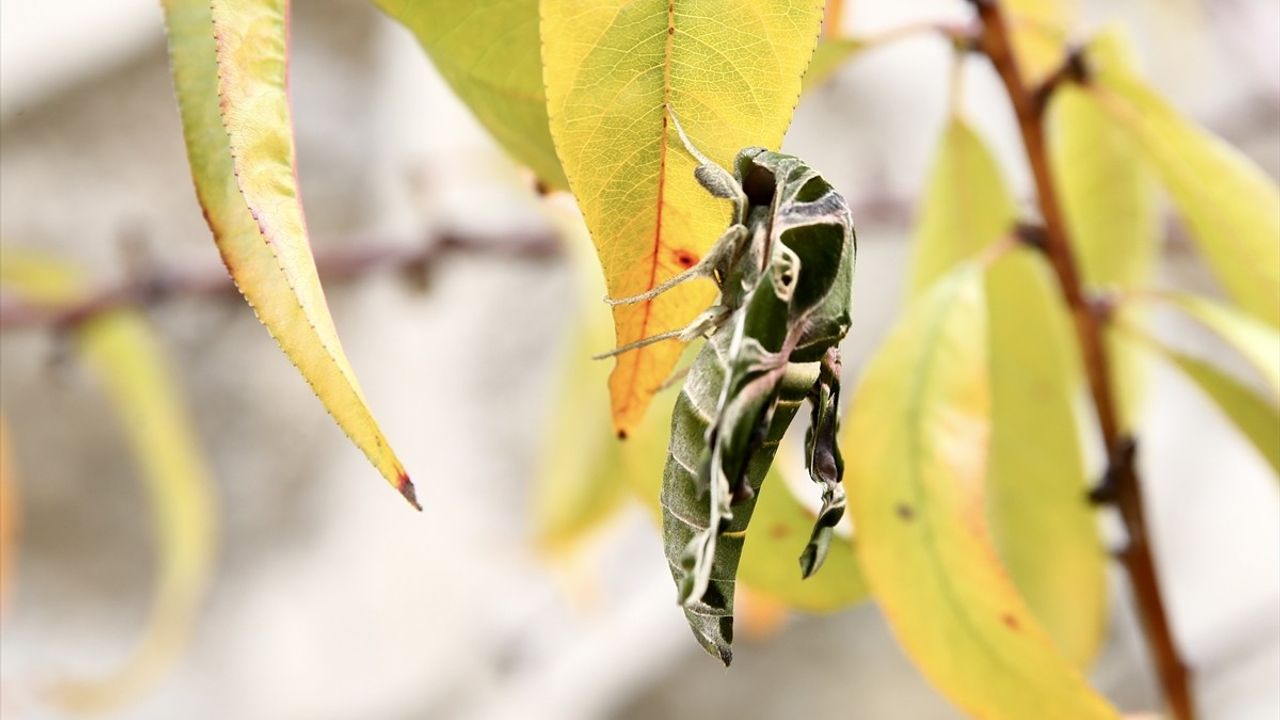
x,y
1122,474
335,266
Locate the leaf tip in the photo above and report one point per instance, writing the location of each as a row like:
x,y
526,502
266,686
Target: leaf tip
x,y
405,486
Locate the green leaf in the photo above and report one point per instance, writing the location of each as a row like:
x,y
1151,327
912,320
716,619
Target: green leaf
x,y
1231,206
916,450
1257,342
235,117
137,377
489,53
1109,204
1040,31
1257,419
1044,529
731,70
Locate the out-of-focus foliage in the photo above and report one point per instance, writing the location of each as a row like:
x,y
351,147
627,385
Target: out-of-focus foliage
x,y
488,51
235,116
1044,529
1256,342
1040,31
1109,202
135,374
922,416
1229,204
612,71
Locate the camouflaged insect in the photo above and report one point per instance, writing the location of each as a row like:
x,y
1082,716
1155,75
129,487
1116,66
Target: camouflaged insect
x,y
785,272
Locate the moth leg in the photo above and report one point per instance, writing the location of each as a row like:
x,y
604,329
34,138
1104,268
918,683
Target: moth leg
x,y
708,322
715,259
717,181
822,458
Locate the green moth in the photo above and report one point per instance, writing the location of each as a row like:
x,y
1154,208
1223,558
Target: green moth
x,y
785,272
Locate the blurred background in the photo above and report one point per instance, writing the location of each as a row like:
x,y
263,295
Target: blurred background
x,y
331,599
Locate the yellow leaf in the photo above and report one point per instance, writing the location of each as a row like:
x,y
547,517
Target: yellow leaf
x,y
10,516
966,207
1109,204
1040,33
1257,342
1041,521
488,52
1231,207
731,70
1257,419
245,181
916,446
1044,529
137,378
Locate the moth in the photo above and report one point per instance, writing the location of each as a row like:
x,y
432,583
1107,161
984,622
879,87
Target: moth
x,y
784,268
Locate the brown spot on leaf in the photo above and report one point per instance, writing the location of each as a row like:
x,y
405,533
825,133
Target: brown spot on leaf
x,y
686,259
779,531
622,434
905,511
1010,621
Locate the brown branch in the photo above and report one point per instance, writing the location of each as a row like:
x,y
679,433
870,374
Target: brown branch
x,y
335,266
1122,474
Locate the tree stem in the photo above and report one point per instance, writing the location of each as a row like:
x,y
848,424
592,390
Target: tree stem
x,y
1126,492
334,266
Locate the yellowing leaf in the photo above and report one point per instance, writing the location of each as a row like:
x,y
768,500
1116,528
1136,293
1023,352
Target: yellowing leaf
x,y
915,447
1109,204
1040,32
966,207
1041,521
1044,529
731,70
10,516
1231,206
1257,419
245,181
137,378
1257,343
830,55
488,51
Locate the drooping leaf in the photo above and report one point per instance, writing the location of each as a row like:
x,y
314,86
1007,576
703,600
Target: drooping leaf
x,y
1040,31
10,516
245,181
1257,342
916,451
1042,526
611,70
830,55
966,207
1256,418
1041,520
131,364
1231,207
1109,204
489,53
